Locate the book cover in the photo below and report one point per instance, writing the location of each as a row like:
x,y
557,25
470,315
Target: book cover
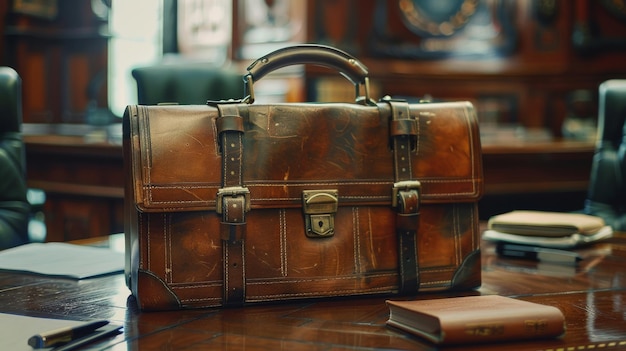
x,y
62,260
546,224
476,319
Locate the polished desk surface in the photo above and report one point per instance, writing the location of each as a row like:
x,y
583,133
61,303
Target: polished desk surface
x,y
592,297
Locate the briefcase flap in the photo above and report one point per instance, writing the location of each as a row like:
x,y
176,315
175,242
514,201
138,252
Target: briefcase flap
x,y
291,148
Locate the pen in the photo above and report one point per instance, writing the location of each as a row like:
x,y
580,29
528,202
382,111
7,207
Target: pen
x,y
64,335
99,334
538,253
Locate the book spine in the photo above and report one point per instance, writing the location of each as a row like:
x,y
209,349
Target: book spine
x,y
504,329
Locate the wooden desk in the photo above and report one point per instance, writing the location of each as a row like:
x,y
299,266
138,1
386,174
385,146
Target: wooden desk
x,y
592,297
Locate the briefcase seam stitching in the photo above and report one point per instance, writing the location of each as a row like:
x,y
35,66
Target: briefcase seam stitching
x,y
328,293
355,234
264,281
283,243
167,238
180,286
457,246
380,197
150,186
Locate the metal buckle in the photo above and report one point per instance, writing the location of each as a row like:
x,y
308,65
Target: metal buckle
x,y
319,207
407,185
232,191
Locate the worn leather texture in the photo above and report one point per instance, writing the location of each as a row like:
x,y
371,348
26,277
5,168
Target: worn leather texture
x,y
180,254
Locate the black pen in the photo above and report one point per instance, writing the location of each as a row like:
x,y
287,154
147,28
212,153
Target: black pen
x,y
538,253
64,335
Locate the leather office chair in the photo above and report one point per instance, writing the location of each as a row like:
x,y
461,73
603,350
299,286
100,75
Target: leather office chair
x,y
607,185
14,207
186,84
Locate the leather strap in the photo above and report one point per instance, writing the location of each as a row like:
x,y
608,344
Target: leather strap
x,y
406,192
234,287
233,202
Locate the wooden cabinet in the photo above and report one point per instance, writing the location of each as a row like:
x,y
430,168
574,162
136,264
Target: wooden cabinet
x,y
83,178
59,49
531,63
549,176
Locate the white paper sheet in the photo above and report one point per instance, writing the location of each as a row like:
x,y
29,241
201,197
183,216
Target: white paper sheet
x,y
62,260
566,242
16,330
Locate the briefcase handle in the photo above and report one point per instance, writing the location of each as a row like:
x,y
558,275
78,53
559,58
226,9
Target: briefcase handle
x,y
319,55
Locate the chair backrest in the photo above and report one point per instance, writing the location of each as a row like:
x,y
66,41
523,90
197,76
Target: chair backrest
x,y
10,106
611,113
607,184
186,84
14,207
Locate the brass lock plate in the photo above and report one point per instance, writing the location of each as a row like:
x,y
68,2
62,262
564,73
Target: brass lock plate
x,y
319,207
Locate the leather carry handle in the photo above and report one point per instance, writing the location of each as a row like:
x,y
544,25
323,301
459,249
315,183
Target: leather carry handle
x,y
319,55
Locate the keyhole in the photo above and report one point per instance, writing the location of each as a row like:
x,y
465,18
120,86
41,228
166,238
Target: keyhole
x,y
320,224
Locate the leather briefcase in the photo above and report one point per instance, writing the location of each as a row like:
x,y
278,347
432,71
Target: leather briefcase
x,y
235,202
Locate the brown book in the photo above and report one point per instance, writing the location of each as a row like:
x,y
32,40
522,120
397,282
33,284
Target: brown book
x,y
546,224
476,319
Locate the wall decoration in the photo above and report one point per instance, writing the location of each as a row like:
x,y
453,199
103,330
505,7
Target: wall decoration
x,y
205,28
547,36
599,26
458,28
616,7
266,25
436,18
325,31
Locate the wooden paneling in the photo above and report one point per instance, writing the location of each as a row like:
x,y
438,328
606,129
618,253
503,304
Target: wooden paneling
x,y
59,59
553,51
531,71
83,181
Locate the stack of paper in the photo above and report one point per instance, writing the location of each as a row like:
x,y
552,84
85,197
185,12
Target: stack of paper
x,y
17,330
547,229
62,260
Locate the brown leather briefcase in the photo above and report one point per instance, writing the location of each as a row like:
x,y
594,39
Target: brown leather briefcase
x,y
234,202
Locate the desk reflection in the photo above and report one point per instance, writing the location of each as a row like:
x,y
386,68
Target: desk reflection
x,y
592,297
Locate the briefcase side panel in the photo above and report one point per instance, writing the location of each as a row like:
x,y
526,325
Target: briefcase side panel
x,y
181,253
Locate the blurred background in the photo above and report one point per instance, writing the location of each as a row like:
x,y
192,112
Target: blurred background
x,y
531,68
